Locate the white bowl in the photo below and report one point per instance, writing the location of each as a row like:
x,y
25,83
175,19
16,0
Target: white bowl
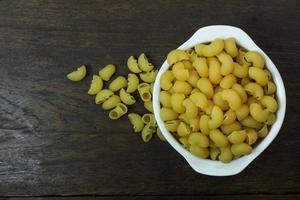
x,y
206,166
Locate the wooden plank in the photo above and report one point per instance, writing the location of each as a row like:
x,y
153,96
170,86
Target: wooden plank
x,y
55,141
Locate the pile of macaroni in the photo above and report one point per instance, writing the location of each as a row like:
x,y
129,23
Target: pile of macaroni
x,y
118,96
217,99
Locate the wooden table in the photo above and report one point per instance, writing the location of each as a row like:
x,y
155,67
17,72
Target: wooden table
x,y
56,143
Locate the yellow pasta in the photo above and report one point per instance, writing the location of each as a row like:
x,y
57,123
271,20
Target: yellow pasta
x,y
103,95
216,118
229,128
209,50
263,132
132,65
167,114
107,72
199,99
126,97
241,91
78,74
176,55
191,54
255,58
96,85
258,113
144,63
258,75
251,136
149,106
118,111
271,119
237,137
214,73
198,151
226,63
144,91
233,98
204,124
200,64
183,129
219,101
194,124
187,64
166,80
208,109
193,78
133,82
225,155
240,71
250,122
205,87
176,102
255,90
180,72
270,103
230,47
190,108
137,122
165,99
270,88
214,153
229,117
245,81
241,149
242,112
149,77
228,81
147,132
219,139
184,142
198,139
149,119
118,83
182,87
111,102
172,125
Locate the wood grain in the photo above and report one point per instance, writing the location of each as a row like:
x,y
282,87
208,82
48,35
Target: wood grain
x,y
56,141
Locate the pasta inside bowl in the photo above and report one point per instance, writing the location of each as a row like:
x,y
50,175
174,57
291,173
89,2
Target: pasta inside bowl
x,y
211,167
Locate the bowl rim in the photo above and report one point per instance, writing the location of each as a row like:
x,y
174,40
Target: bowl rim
x,y
217,168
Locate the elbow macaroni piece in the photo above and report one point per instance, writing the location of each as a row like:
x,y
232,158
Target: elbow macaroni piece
x,y
270,88
111,102
107,72
166,80
182,87
227,129
126,97
219,139
270,103
144,91
149,106
176,55
198,139
242,112
96,85
144,63
219,101
241,91
251,136
149,77
78,74
190,108
240,71
228,81
147,132
176,102
233,98
214,72
103,95
227,63
250,122
137,122
180,72
160,135
216,118
258,75
237,137
226,155
205,87
214,153
194,124
118,83
210,50
263,132
200,64
133,82
199,99
271,119
241,149
255,90
191,54
198,151
167,114
149,119
132,65
172,125
230,47
118,111
255,58
193,78
229,117
204,124
183,129
258,113
165,99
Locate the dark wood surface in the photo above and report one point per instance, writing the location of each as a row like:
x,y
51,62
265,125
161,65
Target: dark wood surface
x,y
54,141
